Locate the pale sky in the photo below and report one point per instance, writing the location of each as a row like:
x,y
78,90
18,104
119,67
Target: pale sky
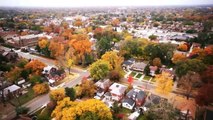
x,y
91,3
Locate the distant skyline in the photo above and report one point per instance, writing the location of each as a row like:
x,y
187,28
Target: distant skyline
x,y
96,3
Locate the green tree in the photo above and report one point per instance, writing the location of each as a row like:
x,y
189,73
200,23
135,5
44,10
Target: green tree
x,y
147,70
99,69
70,92
153,37
103,45
194,65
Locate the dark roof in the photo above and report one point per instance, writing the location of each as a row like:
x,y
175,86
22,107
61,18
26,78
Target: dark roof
x,y
155,99
56,72
107,94
129,101
139,94
127,63
209,115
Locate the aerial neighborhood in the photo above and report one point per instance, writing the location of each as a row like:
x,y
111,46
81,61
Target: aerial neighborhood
x,y
116,63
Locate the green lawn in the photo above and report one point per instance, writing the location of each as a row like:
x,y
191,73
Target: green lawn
x,y
153,80
139,75
147,78
24,98
124,110
133,74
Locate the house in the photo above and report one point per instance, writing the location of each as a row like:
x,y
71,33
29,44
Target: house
x,y
153,69
151,99
117,91
137,95
102,86
139,66
53,74
13,89
128,103
10,55
128,63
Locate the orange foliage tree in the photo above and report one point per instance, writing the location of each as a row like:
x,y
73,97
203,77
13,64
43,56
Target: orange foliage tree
x,y
177,57
35,66
56,48
115,22
81,45
183,47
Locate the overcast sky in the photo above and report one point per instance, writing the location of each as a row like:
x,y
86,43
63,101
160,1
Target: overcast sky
x,y
81,3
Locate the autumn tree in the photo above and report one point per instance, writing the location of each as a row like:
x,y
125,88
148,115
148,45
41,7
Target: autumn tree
x,y
43,43
157,62
14,74
207,75
40,88
129,37
183,47
204,96
130,80
189,82
82,46
57,94
114,75
87,88
99,69
78,22
114,60
35,66
177,57
164,83
84,110
115,22
163,111
56,48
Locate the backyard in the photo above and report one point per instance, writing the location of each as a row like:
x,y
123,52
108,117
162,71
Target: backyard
x,y
23,98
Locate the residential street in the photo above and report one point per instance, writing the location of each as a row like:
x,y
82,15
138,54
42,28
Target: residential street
x,y
39,101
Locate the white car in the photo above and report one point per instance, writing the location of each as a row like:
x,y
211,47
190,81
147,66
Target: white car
x,y
97,97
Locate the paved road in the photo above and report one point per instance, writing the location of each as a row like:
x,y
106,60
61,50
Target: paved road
x,y
40,101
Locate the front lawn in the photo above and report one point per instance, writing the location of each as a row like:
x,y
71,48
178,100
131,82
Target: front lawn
x,y
133,74
124,110
139,75
23,98
147,78
153,80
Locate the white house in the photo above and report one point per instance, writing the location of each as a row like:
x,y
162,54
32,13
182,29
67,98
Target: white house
x,y
117,91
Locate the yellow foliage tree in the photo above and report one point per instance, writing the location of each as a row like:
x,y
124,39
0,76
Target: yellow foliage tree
x,y
114,60
87,88
129,37
40,88
68,110
57,94
35,66
164,83
42,43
